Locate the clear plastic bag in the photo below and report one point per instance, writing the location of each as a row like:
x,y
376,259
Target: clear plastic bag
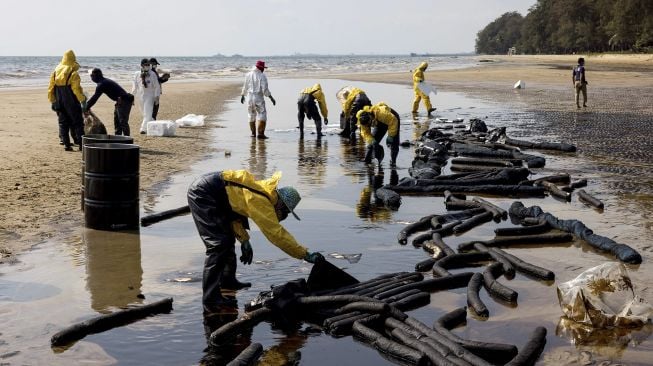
x,y
603,296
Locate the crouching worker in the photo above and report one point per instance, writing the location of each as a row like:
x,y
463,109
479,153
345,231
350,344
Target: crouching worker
x,y
221,203
306,108
374,122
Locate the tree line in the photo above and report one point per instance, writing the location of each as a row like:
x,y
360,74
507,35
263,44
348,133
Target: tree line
x,y
568,26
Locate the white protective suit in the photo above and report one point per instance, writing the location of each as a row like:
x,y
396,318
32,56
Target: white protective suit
x,y
146,95
256,88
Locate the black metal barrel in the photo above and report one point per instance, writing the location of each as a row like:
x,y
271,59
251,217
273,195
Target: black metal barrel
x,y
96,139
111,186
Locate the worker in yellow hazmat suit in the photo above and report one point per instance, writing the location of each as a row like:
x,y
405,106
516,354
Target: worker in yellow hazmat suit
x,y
221,203
375,122
306,107
418,77
355,100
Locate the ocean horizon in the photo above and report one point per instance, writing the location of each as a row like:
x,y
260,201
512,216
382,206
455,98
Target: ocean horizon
x,y
35,71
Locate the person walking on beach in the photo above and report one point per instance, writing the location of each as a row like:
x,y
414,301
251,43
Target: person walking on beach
x,y
306,107
115,92
146,86
162,79
256,88
375,122
355,100
67,98
418,78
221,203
579,82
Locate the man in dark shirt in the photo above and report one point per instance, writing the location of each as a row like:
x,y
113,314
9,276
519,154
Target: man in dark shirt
x,y
162,79
115,92
580,84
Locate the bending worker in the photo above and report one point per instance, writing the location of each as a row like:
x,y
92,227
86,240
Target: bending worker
x,y
374,122
256,88
306,107
115,92
355,100
418,77
221,203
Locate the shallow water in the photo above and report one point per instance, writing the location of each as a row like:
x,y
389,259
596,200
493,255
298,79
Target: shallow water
x,y
96,272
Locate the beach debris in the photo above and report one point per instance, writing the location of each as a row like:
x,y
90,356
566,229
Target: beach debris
x,y
499,135
161,128
164,215
622,252
106,322
191,120
477,125
588,199
603,296
351,258
93,125
249,356
519,85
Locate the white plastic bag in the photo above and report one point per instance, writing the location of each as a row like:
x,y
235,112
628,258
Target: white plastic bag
x,y
603,296
161,128
191,120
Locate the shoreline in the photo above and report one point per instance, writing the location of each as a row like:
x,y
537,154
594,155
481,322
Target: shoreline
x,y
40,204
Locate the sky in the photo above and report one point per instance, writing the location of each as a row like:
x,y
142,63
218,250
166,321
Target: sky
x,y
246,27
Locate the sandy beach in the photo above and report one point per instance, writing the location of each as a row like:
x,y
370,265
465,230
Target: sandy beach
x,y
40,181
40,195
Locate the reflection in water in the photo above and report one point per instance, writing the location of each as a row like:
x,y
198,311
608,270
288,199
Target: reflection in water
x,y
258,159
420,125
311,161
113,268
367,206
286,352
228,351
607,342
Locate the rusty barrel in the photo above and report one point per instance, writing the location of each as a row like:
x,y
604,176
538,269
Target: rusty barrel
x,y
111,182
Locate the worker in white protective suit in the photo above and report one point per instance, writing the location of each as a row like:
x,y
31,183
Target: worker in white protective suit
x,y
256,88
147,89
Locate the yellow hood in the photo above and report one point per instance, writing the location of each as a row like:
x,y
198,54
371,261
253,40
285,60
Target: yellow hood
x,y
423,66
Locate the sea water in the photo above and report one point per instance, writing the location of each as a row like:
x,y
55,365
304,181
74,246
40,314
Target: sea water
x,y
23,71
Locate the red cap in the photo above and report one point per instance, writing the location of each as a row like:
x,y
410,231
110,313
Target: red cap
x,y
260,65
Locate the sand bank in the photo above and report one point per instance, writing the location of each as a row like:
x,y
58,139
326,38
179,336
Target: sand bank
x,y
40,181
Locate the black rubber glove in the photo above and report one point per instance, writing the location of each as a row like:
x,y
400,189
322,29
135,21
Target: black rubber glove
x,y
247,252
313,257
274,102
55,107
242,99
326,121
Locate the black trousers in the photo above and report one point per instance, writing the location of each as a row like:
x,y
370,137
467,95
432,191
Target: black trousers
x,y
155,111
360,101
121,112
209,205
307,107
69,115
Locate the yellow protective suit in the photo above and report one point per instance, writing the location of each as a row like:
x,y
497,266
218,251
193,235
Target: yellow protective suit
x,y
381,113
66,74
346,107
316,92
418,77
259,208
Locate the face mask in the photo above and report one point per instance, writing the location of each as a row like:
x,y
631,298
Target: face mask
x,y
146,67
153,67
